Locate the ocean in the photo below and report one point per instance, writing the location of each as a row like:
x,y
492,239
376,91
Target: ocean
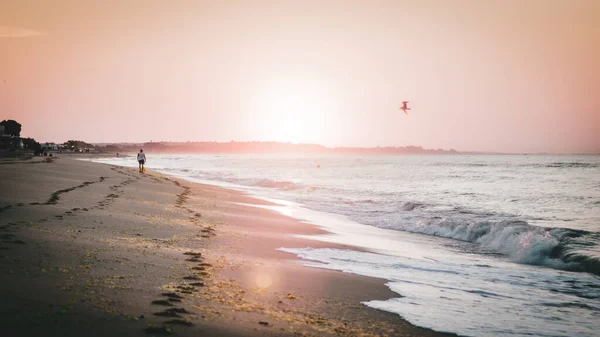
x,y
480,245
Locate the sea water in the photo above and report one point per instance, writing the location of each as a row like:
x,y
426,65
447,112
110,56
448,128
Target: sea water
x,y
486,245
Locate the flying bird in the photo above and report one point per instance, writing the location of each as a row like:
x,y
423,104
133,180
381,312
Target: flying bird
x,y
404,107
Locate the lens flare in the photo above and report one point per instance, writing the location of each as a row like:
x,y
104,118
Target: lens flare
x,y
264,280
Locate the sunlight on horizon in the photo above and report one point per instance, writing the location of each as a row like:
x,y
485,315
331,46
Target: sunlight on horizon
x,y
295,110
499,76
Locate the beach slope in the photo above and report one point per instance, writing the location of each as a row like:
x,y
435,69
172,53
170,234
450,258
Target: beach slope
x,y
96,250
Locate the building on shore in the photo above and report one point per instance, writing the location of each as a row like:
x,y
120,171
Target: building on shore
x,y
50,147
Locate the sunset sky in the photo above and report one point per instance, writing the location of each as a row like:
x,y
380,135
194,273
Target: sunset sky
x,y
505,75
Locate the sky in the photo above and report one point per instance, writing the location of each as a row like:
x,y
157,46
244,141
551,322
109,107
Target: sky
x,y
495,75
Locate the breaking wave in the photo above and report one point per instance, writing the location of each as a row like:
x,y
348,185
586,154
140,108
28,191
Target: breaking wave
x,y
558,248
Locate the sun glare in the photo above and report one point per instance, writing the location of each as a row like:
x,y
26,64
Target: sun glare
x,y
295,111
264,280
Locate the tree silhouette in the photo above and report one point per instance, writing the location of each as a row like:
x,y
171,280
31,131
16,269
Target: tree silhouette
x,y
77,144
11,127
31,144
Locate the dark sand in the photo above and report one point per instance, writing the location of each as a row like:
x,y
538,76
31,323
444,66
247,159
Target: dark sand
x,y
96,250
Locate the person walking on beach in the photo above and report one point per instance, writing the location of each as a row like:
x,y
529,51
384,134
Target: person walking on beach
x,y
141,160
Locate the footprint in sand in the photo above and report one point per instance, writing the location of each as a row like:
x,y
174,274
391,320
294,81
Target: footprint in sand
x,y
179,322
166,313
162,302
172,312
179,310
186,289
195,256
172,297
192,278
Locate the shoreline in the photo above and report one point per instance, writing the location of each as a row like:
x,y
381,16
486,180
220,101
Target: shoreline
x,y
232,282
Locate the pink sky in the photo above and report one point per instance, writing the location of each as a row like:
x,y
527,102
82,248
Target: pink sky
x,y
505,75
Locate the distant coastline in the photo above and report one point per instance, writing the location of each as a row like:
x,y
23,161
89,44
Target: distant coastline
x,y
264,147
280,147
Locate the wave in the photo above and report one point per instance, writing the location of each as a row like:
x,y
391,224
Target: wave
x,y
571,305
358,202
573,165
411,206
558,248
558,164
281,185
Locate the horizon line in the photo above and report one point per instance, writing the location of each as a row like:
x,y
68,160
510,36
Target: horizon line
x,y
451,150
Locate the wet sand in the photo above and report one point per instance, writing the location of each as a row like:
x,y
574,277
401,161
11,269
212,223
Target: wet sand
x,y
98,250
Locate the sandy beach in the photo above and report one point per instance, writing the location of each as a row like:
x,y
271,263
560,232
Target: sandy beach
x,y
314,168
96,250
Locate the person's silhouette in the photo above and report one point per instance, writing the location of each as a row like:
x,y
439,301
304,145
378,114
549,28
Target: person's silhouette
x,y
141,157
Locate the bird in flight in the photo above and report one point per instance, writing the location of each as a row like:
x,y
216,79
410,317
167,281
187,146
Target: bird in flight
x,y
404,107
